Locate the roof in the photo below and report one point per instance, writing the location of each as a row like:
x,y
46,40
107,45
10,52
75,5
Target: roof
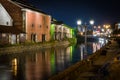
x,y
10,29
67,26
60,23
28,6
57,22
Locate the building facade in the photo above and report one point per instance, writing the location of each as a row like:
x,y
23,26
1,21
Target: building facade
x,y
37,26
60,31
34,23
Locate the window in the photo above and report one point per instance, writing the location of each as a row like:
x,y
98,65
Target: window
x,y
46,26
7,23
44,20
3,35
40,26
32,25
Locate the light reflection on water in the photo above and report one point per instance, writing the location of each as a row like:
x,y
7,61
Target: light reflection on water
x,y
39,65
5,74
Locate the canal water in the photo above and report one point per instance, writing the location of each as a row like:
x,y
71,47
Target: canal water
x,y
41,64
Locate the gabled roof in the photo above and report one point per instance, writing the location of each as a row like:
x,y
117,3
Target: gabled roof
x,y
10,29
27,6
57,22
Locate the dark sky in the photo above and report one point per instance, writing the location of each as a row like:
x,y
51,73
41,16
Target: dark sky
x,y
69,11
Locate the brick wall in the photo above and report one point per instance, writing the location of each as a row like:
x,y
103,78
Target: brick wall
x,y
38,24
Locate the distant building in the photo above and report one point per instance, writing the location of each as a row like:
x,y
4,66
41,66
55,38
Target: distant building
x,y
117,26
34,23
60,31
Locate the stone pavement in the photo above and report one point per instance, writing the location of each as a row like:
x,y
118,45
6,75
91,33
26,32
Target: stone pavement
x,y
102,65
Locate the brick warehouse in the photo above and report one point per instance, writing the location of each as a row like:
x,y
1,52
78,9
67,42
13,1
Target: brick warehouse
x,y
32,24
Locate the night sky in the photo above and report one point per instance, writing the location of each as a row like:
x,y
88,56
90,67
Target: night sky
x,y
69,11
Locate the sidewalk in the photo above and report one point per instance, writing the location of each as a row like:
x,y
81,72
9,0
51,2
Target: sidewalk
x,y
101,68
96,67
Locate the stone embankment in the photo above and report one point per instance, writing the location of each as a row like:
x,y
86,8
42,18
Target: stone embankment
x,y
96,67
26,48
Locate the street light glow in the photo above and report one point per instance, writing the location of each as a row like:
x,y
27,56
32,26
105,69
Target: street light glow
x,y
91,22
79,22
99,27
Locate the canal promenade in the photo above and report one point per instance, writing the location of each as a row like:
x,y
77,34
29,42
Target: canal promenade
x,y
102,65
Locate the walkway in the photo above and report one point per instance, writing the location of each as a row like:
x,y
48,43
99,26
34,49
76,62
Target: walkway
x,y
102,65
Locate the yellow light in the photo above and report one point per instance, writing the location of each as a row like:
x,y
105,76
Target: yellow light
x,y
81,33
106,26
14,66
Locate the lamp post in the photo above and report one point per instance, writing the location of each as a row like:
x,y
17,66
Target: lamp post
x,y
79,22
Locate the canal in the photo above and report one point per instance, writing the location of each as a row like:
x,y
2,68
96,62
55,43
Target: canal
x,y
41,64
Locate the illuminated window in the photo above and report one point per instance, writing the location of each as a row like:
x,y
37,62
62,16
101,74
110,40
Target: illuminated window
x,y
119,26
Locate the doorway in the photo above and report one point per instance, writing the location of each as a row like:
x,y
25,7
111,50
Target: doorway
x,y
43,37
33,37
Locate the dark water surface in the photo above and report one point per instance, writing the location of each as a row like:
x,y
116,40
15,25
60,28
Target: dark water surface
x,y
40,65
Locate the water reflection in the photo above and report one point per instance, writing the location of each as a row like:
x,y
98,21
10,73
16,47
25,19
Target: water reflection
x,y
4,73
89,48
5,70
14,66
82,51
96,46
40,65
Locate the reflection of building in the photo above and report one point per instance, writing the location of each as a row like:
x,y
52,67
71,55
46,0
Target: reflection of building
x,y
102,41
63,57
60,58
14,66
38,66
69,54
96,46
5,74
82,51
23,18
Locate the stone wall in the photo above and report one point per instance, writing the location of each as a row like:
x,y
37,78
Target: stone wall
x,y
26,48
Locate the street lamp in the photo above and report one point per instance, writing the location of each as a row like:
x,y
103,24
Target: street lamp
x,y
91,22
79,22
